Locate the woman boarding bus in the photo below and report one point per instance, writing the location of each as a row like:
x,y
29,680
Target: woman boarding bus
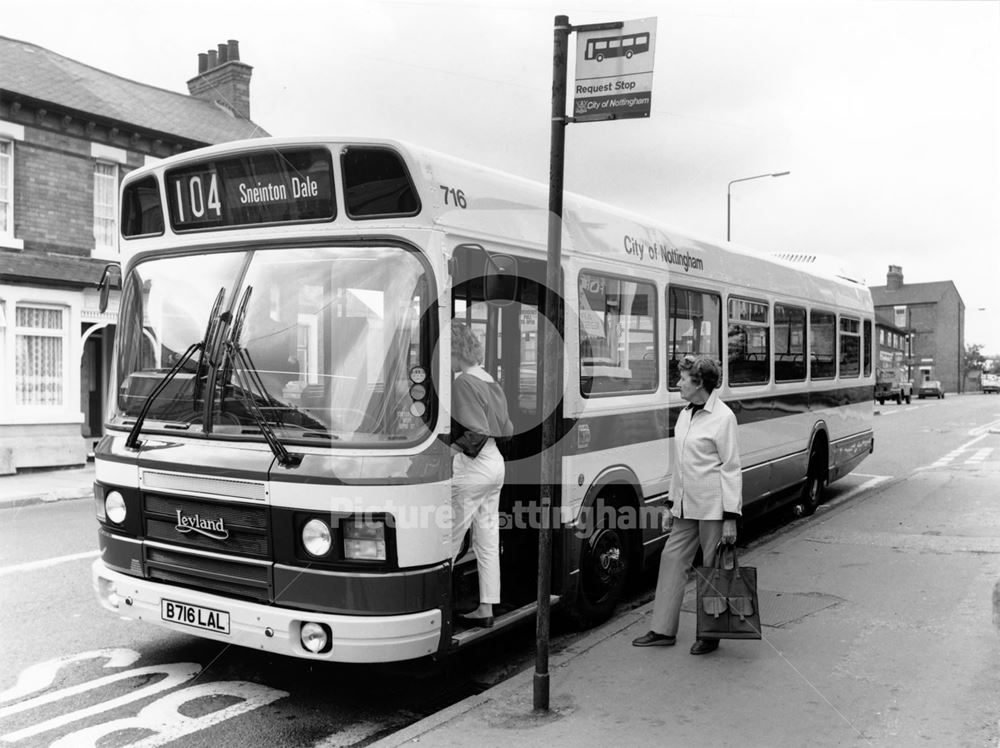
x,y
277,467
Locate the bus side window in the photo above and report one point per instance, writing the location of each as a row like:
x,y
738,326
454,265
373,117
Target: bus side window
x,y
694,321
789,343
823,344
749,342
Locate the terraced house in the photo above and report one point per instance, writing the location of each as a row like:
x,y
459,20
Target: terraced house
x,y
68,134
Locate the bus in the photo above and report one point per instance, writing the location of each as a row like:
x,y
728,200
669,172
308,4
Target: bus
x,y
892,362
616,46
276,469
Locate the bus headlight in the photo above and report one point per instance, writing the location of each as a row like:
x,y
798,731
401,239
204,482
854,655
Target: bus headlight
x,y
364,539
315,637
114,507
316,537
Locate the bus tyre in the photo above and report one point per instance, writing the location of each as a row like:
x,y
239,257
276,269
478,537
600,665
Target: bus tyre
x,y
815,485
899,399
605,563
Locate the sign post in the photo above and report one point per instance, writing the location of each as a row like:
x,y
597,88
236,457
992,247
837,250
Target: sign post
x,y
614,80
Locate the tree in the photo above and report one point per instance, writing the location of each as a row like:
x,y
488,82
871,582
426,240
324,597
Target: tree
x,y
974,360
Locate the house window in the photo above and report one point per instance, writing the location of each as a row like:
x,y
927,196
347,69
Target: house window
x,y
105,205
40,361
6,188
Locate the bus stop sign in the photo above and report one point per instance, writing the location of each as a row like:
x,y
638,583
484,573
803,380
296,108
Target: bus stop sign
x,y
614,72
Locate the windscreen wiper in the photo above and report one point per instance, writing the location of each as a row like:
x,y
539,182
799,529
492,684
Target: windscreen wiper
x,y
241,367
237,362
132,442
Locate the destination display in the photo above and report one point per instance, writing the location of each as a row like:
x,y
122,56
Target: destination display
x,y
274,186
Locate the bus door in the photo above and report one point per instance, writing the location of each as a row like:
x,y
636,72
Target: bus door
x,y
502,298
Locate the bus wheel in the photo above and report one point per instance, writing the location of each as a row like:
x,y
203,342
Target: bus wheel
x,y
604,569
815,486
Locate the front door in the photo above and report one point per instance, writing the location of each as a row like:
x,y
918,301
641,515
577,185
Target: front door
x,y
509,329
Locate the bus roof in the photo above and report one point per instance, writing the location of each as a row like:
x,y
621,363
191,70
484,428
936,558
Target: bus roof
x,y
477,203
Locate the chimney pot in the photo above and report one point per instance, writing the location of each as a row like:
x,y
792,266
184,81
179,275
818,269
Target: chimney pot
x,y
234,50
223,54
213,59
202,62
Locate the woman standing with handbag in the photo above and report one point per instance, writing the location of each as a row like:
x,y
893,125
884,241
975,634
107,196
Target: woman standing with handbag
x,y
706,496
479,417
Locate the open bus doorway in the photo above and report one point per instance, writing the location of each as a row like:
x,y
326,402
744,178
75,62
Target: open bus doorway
x,y
507,316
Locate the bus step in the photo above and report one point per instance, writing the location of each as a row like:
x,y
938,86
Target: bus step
x,y
467,636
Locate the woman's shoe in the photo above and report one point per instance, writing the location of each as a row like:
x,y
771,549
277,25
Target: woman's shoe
x,y
483,622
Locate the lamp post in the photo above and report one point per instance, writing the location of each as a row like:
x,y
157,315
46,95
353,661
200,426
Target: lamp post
x,y
744,179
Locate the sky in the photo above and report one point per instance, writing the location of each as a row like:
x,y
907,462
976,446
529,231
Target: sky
x,y
886,113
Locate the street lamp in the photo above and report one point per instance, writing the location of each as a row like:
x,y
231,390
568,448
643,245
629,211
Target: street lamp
x,y
744,179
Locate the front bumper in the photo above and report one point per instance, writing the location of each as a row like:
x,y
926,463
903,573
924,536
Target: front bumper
x,y
358,639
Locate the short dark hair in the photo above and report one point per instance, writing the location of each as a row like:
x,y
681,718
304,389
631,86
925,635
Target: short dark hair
x,y
703,370
465,344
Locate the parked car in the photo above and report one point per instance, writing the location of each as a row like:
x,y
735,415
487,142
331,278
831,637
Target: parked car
x,y
930,388
991,383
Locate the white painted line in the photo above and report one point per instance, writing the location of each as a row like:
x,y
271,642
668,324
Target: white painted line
x,y
46,563
873,481
983,430
979,456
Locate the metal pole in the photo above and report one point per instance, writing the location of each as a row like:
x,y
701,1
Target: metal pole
x,y
552,360
728,208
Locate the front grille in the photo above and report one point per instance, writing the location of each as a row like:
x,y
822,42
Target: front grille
x,y
229,576
246,525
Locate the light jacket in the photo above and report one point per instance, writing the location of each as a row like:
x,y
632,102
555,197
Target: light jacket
x,y
706,479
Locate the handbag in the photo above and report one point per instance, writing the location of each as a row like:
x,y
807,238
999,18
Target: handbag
x,y
727,606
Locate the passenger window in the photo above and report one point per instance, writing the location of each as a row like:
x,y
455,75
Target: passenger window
x,y
749,349
694,321
789,343
823,344
850,347
376,183
617,336
868,347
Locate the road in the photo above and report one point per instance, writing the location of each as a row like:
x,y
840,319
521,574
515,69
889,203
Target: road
x,y
72,672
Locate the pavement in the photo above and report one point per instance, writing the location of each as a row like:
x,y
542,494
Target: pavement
x,y
28,487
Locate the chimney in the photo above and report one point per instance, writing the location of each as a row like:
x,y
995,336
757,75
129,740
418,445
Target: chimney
x,y
223,79
894,278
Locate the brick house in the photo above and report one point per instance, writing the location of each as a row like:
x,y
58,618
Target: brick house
x,y
933,314
68,134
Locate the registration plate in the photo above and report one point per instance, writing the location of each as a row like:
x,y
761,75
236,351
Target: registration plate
x,y
195,616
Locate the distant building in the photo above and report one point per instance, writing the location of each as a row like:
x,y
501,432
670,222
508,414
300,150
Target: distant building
x,y
933,315
68,134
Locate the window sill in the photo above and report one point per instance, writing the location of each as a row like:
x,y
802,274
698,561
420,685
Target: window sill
x,y
9,242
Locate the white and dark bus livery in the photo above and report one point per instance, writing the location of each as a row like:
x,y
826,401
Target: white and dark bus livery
x,y
276,467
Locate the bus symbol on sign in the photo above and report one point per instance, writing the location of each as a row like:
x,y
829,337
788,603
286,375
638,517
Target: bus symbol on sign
x,y
616,46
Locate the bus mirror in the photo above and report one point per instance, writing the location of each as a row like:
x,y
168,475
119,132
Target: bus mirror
x,y
112,274
500,279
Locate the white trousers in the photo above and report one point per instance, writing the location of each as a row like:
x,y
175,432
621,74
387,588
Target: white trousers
x,y
475,502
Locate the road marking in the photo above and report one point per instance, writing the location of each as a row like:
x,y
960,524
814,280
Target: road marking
x,y
168,722
47,562
873,480
176,674
944,461
983,430
42,675
979,456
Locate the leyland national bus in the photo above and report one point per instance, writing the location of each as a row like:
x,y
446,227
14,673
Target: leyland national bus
x,y
276,471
